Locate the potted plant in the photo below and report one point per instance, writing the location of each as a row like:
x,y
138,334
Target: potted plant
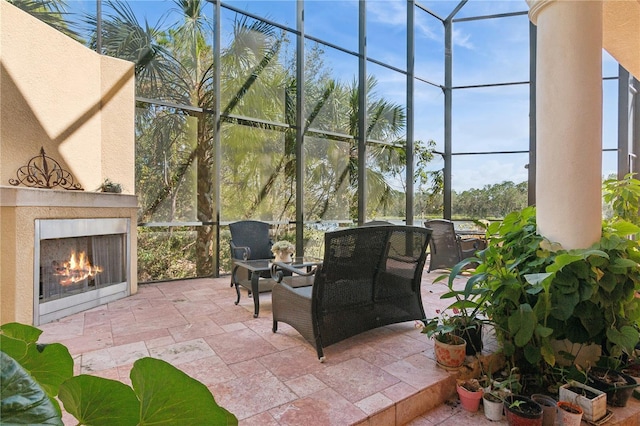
x,y
522,411
449,348
617,385
493,405
109,186
539,292
549,408
283,250
592,401
470,393
569,414
468,307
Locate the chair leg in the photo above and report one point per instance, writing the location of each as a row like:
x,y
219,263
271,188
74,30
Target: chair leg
x,y
275,326
320,353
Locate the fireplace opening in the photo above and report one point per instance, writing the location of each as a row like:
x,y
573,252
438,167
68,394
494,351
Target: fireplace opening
x,y
69,266
79,264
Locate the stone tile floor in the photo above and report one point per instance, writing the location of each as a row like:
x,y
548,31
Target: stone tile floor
x,y
385,376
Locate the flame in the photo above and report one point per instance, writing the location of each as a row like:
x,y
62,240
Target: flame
x,y
75,269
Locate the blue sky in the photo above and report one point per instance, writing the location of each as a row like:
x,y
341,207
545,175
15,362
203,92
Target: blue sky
x,y
485,52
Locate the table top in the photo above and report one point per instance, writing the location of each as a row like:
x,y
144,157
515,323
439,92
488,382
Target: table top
x,y
259,265
470,232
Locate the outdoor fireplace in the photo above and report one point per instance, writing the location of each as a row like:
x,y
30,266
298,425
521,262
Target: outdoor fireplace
x,y
79,264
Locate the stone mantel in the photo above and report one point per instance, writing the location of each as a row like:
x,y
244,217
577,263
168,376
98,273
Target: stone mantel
x,y
20,208
13,196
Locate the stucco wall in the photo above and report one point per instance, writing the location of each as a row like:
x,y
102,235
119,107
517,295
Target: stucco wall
x,y
80,107
59,95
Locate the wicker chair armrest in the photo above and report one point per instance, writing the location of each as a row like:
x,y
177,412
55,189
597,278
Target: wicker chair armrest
x,y
240,252
278,270
468,243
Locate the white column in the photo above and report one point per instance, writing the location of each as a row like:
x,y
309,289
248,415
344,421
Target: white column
x,y
569,120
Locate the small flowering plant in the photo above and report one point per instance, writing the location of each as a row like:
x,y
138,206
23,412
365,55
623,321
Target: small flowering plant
x,y
283,247
441,327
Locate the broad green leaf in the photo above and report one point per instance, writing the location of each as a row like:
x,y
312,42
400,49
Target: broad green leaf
x,y
607,282
547,353
462,304
543,331
168,396
543,306
591,317
49,365
535,290
626,337
586,289
565,305
22,400
98,401
26,333
625,263
537,279
532,354
575,331
15,348
563,260
624,228
522,323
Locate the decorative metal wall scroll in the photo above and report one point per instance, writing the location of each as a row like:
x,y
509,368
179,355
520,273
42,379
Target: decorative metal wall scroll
x,y
43,171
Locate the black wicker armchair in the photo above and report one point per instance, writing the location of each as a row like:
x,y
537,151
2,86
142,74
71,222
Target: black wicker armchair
x,y
370,277
250,240
446,248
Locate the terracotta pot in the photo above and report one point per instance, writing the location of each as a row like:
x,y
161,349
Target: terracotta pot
x,y
569,414
592,401
450,356
549,408
617,385
525,411
470,400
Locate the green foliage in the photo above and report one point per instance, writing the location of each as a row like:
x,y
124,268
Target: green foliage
x,y
624,197
462,314
161,394
539,291
440,328
22,400
491,201
166,253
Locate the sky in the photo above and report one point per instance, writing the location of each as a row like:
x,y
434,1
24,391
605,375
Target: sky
x,y
484,52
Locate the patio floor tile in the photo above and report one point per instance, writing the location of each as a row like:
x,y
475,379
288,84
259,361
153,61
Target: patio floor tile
x,y
383,377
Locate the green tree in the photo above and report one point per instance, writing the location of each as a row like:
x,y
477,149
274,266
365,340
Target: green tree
x,y
491,202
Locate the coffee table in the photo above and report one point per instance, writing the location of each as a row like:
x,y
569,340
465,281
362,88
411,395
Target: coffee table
x,y
256,285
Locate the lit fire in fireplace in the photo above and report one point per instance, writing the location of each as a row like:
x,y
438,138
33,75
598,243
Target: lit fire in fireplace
x,y
75,269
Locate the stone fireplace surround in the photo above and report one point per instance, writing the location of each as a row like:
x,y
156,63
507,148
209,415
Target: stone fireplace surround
x,y
20,207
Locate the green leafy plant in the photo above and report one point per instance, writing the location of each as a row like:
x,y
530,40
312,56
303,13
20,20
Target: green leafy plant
x,y
109,186
624,197
441,327
540,291
33,375
470,304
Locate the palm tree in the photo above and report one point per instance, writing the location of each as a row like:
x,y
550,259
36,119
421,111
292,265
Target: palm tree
x,y
176,65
